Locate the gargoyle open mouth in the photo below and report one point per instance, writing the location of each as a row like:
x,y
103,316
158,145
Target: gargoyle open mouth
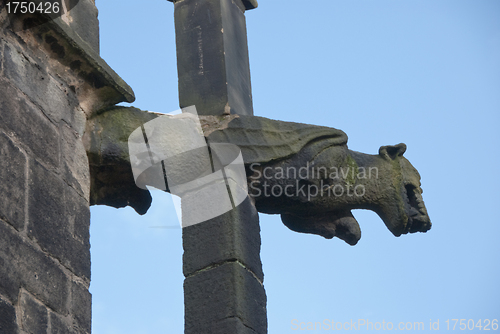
x,y
399,204
418,220
403,210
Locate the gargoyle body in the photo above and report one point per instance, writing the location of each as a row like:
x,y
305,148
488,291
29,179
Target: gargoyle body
x,y
306,173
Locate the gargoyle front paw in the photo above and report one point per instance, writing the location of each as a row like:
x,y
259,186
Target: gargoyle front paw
x,y
340,224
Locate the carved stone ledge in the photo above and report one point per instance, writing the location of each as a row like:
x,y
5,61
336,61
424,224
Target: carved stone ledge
x,y
95,83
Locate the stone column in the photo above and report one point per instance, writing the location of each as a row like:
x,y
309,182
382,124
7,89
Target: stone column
x,y
212,56
223,289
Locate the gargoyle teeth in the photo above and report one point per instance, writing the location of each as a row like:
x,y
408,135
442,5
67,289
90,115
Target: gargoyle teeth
x,y
414,199
417,213
420,202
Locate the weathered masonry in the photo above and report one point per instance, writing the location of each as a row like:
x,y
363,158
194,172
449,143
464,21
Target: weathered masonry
x,y
51,80
64,147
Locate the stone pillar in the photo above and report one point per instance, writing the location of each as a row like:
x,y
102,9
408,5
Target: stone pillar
x,y
212,56
223,289
51,79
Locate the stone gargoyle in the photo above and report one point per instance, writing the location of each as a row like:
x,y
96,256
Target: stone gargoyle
x,y
304,172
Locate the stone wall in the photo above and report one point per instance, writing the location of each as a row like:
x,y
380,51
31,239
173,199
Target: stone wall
x,y
51,80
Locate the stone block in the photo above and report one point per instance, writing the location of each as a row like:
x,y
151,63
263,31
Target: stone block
x,y
239,88
30,126
250,4
224,292
231,325
234,235
60,325
8,322
48,223
85,23
13,183
234,325
243,4
1,45
81,306
37,84
78,216
10,281
75,163
34,316
212,57
22,265
226,326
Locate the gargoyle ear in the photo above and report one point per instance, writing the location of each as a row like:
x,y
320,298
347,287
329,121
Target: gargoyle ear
x,y
391,152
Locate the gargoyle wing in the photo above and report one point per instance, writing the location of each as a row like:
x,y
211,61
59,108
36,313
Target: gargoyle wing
x,y
262,140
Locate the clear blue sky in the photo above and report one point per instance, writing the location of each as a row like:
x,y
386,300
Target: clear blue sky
x,y
426,73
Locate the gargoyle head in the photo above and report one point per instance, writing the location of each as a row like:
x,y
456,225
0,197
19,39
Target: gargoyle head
x,y
401,207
